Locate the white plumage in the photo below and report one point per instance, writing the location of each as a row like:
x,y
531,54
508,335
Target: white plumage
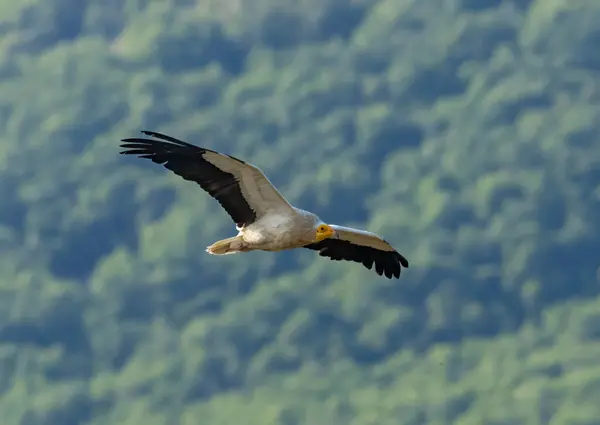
x,y
264,219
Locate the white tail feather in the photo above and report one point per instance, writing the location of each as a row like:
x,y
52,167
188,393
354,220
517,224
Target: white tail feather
x,y
225,246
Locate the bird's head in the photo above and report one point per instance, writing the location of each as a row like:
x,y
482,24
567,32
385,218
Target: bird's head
x,y
324,231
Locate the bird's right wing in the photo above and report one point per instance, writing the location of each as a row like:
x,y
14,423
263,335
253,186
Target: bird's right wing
x,y
362,247
242,189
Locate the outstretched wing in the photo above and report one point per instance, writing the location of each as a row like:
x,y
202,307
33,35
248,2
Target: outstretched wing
x,y
362,247
241,188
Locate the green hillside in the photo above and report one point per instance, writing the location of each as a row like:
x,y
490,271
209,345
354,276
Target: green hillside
x,y
465,131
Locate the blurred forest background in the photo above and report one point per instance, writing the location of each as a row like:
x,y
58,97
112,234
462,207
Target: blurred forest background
x,y
465,131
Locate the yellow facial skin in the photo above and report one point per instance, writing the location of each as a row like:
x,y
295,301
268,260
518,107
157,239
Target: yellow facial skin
x,y
323,232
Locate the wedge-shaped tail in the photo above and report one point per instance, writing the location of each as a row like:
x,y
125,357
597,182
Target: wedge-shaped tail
x,y
226,246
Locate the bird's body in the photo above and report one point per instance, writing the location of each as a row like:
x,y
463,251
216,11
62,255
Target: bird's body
x,y
272,232
264,219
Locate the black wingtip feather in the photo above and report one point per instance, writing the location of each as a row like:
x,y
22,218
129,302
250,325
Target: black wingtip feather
x,y
167,138
403,260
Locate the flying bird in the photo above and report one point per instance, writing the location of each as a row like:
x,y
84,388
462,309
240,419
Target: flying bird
x,y
264,219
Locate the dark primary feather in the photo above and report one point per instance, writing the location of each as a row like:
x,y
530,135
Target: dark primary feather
x,y
386,262
188,161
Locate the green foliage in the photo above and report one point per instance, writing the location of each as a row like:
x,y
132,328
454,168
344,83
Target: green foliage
x,y
466,132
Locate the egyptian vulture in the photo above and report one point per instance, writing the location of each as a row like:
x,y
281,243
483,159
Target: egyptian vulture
x,y
264,219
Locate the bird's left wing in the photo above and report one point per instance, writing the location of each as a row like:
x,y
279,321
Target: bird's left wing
x,y
362,247
242,189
